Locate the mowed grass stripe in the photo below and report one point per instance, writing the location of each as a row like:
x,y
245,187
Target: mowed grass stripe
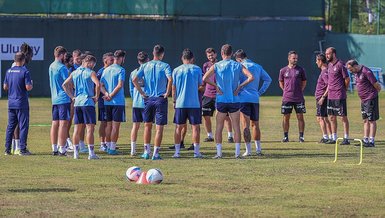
x,y
292,179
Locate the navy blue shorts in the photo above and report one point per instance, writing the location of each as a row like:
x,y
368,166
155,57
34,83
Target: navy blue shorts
x,y
251,110
61,111
193,115
155,107
228,107
116,113
137,115
85,115
102,115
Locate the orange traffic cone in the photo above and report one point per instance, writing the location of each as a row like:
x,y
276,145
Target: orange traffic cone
x,y
142,179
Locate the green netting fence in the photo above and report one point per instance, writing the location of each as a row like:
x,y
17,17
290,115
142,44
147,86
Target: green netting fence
x,y
238,8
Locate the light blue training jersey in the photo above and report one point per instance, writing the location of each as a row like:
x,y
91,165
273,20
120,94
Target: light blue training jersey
x,y
84,87
137,99
110,78
58,73
155,75
227,75
251,92
187,78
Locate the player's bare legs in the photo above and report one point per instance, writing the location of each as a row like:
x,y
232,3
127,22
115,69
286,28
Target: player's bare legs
x,y
220,120
301,126
285,125
235,120
228,124
134,136
245,121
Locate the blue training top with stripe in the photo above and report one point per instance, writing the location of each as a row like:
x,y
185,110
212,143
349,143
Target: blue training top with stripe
x,y
58,73
110,78
227,75
155,75
84,87
137,99
251,92
187,78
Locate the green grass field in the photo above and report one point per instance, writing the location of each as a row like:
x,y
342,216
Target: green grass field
x,y
292,179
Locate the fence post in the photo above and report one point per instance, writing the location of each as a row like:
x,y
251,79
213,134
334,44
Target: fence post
x,y
378,16
350,16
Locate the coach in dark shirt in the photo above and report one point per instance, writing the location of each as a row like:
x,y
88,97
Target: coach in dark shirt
x,y
18,82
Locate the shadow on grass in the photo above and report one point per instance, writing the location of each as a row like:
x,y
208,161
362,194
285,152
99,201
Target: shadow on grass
x,y
34,190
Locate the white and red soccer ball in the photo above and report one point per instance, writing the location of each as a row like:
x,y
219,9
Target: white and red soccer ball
x,y
133,173
154,176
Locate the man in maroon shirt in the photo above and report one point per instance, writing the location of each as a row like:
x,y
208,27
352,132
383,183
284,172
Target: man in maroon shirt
x,y
338,82
208,99
321,95
292,80
367,88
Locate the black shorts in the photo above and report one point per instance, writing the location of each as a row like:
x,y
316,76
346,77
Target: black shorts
x,y
116,113
85,115
228,107
369,109
251,110
208,106
322,110
337,107
137,115
287,107
102,115
193,115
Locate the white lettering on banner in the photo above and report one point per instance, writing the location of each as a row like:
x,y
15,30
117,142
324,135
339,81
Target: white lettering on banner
x,y
10,46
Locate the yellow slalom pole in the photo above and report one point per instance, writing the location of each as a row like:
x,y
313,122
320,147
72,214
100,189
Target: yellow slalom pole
x,y
336,149
361,150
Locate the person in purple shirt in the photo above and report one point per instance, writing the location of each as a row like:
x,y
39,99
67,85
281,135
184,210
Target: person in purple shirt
x,y
18,82
338,83
292,80
208,100
367,88
321,95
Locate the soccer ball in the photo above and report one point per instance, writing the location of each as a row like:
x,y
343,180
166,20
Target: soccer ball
x,y
154,176
133,173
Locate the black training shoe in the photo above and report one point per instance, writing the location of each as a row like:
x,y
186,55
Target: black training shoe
x,y
55,153
182,144
364,143
191,148
345,142
173,147
285,139
301,139
63,154
369,145
24,152
323,141
7,152
230,140
208,139
330,141
260,154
